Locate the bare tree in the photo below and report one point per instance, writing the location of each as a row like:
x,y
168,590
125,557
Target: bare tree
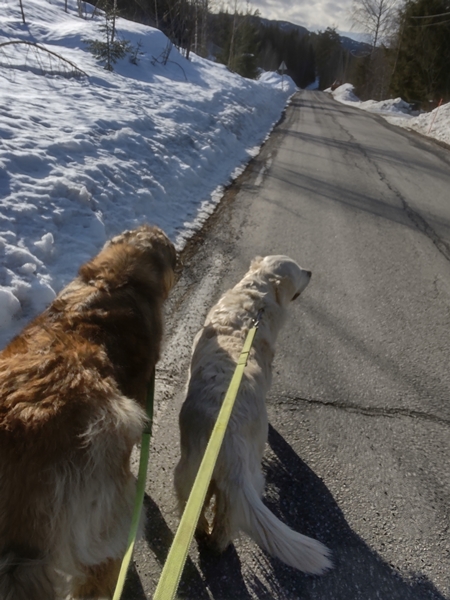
x,y
375,17
233,34
114,13
156,15
201,10
240,21
21,10
40,60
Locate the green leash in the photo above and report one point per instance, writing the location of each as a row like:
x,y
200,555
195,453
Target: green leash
x,y
171,573
140,489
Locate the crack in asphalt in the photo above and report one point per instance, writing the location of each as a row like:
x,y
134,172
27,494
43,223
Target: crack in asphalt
x,y
423,226
370,411
420,223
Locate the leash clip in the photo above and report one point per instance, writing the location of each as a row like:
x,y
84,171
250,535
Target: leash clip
x,y
257,320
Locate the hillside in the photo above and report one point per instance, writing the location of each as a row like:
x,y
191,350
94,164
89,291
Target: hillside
x,y
85,156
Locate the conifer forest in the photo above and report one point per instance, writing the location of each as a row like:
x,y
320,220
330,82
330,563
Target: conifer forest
x,y
407,53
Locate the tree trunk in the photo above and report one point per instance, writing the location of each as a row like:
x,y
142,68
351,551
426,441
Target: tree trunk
x,y
23,14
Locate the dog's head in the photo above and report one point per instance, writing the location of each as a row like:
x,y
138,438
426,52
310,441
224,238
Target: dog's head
x,y
287,277
143,254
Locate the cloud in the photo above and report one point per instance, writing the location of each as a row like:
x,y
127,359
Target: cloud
x,y
313,15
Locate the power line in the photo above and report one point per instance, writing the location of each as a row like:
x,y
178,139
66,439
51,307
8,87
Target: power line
x,y
431,24
430,16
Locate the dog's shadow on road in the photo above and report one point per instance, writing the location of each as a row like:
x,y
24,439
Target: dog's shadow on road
x,y
213,577
304,503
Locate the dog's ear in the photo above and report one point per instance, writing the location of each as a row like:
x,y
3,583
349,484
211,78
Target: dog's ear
x,y
256,263
276,287
285,290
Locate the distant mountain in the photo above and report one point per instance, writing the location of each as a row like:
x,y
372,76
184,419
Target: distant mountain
x,y
309,56
283,25
353,46
357,48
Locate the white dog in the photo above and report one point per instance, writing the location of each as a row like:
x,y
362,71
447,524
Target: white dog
x,y
237,482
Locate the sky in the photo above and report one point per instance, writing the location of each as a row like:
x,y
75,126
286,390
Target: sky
x,y
83,157
314,15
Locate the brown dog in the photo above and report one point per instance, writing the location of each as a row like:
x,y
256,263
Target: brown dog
x,y
72,390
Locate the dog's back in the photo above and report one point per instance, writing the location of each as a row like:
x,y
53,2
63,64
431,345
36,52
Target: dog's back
x,y
71,389
237,482
64,434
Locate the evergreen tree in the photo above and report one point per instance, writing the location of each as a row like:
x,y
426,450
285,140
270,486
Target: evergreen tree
x,y
239,43
295,49
329,57
110,49
246,51
421,55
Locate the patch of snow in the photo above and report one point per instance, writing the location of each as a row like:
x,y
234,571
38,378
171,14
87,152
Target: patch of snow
x,y
435,124
84,157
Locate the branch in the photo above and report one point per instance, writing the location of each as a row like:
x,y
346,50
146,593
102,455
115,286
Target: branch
x,y
38,47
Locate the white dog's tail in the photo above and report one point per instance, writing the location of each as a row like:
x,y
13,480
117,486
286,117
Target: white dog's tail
x,y
24,579
276,538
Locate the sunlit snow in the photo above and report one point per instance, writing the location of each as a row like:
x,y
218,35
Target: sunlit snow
x,y
435,124
84,157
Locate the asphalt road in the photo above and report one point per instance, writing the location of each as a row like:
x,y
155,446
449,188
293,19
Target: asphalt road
x,y
359,449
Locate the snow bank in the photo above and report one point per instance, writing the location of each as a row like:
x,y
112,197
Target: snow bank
x,y
346,94
435,124
83,157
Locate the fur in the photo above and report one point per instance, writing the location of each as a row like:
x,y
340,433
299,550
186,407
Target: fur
x,y
238,482
72,396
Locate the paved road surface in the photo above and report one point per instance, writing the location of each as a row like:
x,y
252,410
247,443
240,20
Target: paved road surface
x,y
359,449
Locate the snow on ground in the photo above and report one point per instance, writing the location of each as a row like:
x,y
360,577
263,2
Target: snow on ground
x,y
84,157
345,94
435,124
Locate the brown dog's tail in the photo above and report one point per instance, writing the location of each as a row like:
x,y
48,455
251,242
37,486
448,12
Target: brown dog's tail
x,y
276,538
24,578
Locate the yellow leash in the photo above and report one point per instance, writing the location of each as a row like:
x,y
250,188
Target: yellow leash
x,y
140,490
173,568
